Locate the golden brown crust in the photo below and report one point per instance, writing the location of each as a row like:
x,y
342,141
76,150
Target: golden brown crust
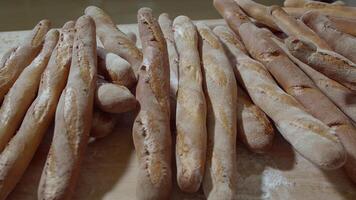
x,y
73,117
17,59
345,44
254,128
151,130
219,81
113,39
24,90
191,108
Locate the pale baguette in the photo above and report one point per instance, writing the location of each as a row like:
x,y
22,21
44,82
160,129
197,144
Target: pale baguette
x,y
298,12
253,126
103,124
24,90
345,25
329,63
191,108
151,130
345,44
302,3
220,87
73,117
115,69
17,155
294,81
113,39
15,60
113,98
338,94
295,27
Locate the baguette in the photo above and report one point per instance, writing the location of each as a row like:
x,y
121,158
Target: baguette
x,y
220,178
325,28
73,117
342,125
310,3
15,60
191,108
166,26
17,155
114,98
329,63
151,129
113,39
24,90
103,124
296,83
298,12
296,28
345,25
254,128
258,12
115,69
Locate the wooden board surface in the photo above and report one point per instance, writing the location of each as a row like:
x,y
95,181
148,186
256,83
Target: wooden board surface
x,y
110,166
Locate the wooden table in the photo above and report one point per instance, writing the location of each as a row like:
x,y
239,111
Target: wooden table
x,y
110,166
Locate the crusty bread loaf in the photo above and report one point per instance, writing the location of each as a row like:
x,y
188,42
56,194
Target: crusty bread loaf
x,y
345,25
302,3
151,130
17,155
253,127
103,124
15,60
296,28
24,90
73,117
113,39
114,98
329,63
115,69
294,81
298,12
220,178
345,44
191,108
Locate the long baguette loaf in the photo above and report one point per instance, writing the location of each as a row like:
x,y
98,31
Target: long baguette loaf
x,y
345,44
258,12
345,25
73,117
24,90
191,108
17,155
115,69
310,3
296,28
253,127
298,12
114,98
294,82
18,58
151,130
337,93
220,178
166,26
329,63
113,39
103,124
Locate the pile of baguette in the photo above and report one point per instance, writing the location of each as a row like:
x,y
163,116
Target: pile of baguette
x,y
195,90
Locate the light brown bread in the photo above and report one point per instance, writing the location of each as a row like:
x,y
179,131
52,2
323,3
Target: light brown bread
x,y
191,108
16,59
220,178
113,39
296,83
115,69
114,98
345,25
296,28
151,130
340,42
302,3
73,117
253,126
329,63
103,124
24,90
298,12
18,154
